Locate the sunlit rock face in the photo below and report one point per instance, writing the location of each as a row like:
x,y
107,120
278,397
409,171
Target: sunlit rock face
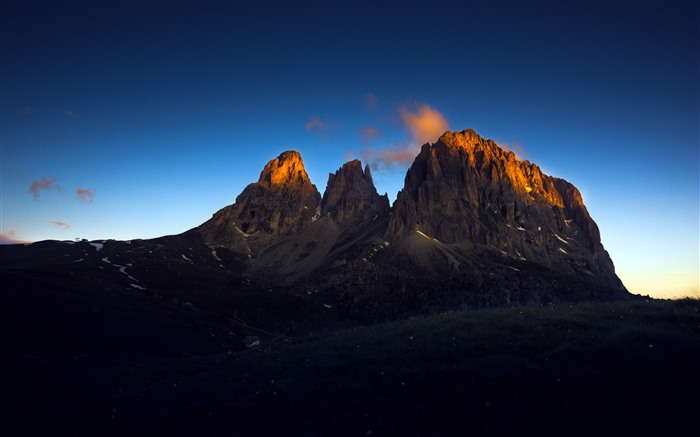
x,y
283,201
466,189
351,196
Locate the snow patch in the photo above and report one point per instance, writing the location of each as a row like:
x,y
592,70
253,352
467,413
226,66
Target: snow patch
x,y
138,287
562,250
98,246
566,222
422,234
77,260
327,306
213,253
241,232
386,244
106,260
185,258
520,228
561,239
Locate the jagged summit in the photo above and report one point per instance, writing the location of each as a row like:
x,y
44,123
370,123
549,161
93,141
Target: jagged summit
x,y
472,224
351,195
288,168
283,201
465,189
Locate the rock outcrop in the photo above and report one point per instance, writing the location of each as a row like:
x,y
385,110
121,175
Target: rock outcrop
x,y
351,196
466,190
283,201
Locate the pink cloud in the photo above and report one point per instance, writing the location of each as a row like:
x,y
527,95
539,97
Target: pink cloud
x,y
424,123
63,225
44,184
315,123
371,101
11,238
369,134
86,195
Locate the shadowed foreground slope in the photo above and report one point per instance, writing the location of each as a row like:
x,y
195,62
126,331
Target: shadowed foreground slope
x,y
614,367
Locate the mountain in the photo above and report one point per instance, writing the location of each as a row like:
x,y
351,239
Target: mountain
x,y
467,190
283,201
353,217
351,196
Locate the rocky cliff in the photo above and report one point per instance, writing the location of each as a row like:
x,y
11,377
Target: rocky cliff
x,y
283,201
467,190
351,196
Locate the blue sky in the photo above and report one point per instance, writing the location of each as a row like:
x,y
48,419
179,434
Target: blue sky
x,y
161,112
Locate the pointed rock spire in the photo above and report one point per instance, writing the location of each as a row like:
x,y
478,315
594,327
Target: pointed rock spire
x,y
351,195
283,201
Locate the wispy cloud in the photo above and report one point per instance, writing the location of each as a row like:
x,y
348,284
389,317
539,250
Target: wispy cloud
x,y
516,148
29,110
11,238
424,123
369,134
315,123
63,225
43,184
371,101
86,195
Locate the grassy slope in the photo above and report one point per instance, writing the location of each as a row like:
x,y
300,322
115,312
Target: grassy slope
x,y
613,367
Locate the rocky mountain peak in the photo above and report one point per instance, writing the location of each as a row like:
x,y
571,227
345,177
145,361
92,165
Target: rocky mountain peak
x,y
283,201
467,189
351,195
287,168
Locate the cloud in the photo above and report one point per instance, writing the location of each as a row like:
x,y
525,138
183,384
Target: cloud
x,y
315,123
28,111
44,184
388,158
369,134
516,148
85,194
424,123
371,101
11,238
63,225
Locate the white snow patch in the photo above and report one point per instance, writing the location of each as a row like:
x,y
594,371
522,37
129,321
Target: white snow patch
x,y
185,258
241,232
520,228
562,250
138,287
106,260
422,234
508,225
566,222
327,306
539,228
98,246
386,244
213,253
77,260
517,270
561,239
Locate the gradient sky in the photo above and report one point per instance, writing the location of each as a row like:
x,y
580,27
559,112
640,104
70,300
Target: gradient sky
x,y
137,119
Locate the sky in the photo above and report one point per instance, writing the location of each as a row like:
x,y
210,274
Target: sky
x,y
137,119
